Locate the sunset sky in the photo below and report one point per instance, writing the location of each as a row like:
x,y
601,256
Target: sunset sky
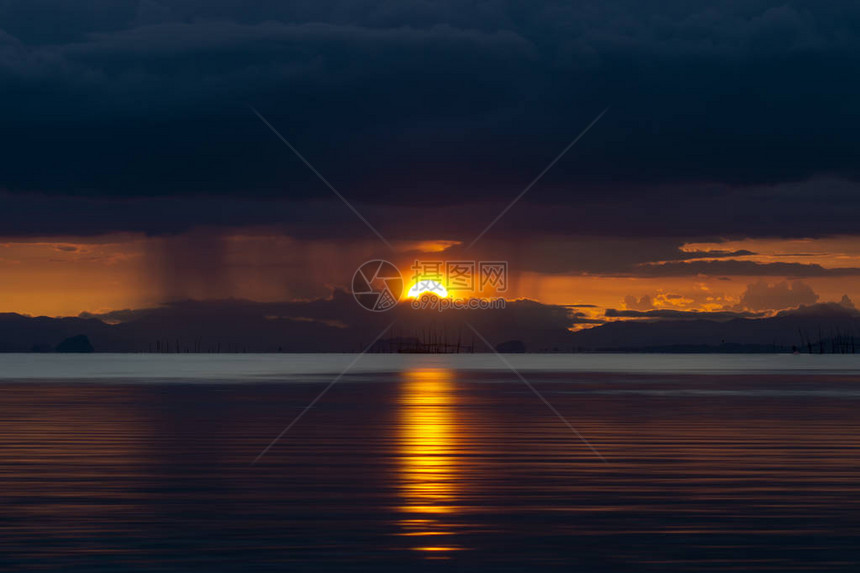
x,y
724,176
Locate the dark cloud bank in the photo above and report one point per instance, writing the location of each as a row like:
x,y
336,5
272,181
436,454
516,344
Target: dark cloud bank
x,y
725,116
337,324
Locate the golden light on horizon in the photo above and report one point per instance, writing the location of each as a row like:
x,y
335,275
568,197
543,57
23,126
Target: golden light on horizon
x,y
65,275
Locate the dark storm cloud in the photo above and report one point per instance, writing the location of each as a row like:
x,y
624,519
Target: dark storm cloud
x,y
405,102
743,268
41,214
813,214
812,208
592,255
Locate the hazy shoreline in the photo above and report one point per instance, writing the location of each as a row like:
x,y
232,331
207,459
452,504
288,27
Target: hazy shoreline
x,y
261,367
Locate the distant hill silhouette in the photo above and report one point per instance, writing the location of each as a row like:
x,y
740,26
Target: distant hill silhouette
x,y
338,324
817,326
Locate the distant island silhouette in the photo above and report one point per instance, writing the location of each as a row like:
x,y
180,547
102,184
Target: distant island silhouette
x,y
79,343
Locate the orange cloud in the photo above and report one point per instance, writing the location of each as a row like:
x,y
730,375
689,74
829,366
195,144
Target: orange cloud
x,y
68,275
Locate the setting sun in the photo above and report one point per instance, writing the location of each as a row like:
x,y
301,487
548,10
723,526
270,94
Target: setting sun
x,y
427,287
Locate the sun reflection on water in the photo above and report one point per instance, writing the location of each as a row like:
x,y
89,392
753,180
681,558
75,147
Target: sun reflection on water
x,y
428,462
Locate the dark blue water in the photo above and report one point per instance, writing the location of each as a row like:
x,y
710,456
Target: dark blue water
x,y
434,468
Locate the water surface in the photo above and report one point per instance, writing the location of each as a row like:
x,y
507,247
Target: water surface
x,y
712,463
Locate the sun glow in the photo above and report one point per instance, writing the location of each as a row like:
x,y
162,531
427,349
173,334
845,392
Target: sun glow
x,y
422,287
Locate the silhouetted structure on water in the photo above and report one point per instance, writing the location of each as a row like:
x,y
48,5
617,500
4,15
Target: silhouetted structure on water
x,y
427,341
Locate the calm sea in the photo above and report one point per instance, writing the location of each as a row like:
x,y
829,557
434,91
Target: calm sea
x,y
703,463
